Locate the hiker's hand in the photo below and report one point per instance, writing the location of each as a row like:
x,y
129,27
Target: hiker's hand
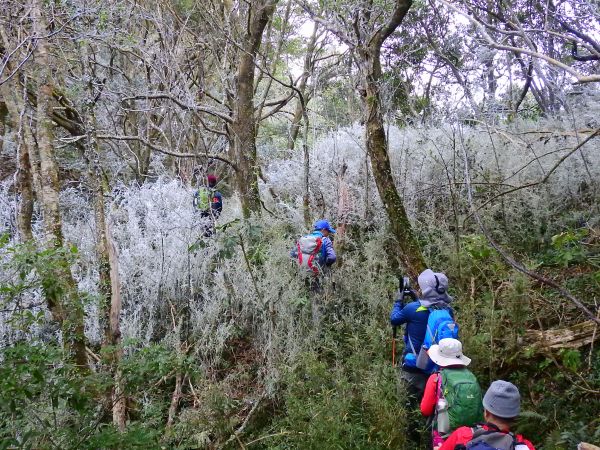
x,y
437,447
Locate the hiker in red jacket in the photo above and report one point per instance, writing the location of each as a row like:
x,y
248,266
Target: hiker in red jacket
x,y
452,395
502,405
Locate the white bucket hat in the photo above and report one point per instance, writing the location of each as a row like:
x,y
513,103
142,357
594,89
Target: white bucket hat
x,y
448,353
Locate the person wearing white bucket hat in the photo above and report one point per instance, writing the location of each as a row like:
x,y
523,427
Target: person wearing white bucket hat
x,y
452,396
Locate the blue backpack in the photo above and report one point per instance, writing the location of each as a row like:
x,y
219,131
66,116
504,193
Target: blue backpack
x,y
440,325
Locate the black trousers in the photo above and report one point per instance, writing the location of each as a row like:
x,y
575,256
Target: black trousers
x,y
414,383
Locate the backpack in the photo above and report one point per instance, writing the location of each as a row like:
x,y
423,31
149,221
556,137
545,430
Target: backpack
x,y
492,439
440,325
463,394
308,248
202,198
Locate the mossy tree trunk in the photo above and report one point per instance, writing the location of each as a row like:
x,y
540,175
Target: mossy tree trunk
x,y
368,53
16,118
61,293
243,127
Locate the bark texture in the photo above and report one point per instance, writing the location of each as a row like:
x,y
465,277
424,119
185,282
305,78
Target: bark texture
x,y
16,109
409,252
243,128
61,292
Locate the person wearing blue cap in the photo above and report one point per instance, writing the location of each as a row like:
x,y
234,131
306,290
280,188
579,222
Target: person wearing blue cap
x,y
315,251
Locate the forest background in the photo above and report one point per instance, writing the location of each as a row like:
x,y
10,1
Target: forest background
x,y
460,135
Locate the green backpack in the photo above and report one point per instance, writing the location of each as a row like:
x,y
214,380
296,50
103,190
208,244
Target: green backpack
x,y
202,198
463,394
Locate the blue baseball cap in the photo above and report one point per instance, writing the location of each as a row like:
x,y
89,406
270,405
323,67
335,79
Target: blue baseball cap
x,y
323,224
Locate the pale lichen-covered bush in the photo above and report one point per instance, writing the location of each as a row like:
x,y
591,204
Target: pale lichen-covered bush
x,y
154,225
236,297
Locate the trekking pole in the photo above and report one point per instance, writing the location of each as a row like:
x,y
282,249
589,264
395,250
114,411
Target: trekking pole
x,y
403,291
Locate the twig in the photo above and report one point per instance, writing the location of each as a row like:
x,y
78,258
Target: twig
x,y
262,438
535,183
92,354
258,295
244,424
163,150
511,261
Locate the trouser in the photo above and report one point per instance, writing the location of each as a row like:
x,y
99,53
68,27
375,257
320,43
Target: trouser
x,y
414,383
207,223
318,292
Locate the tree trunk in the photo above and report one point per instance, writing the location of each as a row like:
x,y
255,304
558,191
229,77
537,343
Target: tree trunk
x,y
409,250
368,54
64,304
16,117
243,128
109,282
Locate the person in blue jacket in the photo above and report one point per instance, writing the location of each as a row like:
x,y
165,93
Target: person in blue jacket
x,y
323,229
414,315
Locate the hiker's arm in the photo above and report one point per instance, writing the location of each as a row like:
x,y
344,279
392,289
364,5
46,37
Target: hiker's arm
x,y
429,398
399,314
461,435
330,256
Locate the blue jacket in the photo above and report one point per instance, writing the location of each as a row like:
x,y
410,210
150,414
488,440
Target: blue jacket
x,y
327,254
216,203
415,317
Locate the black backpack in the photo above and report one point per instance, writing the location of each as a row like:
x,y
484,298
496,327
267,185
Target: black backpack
x,y
491,439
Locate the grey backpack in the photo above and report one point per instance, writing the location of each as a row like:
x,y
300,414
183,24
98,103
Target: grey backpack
x,y
492,439
308,248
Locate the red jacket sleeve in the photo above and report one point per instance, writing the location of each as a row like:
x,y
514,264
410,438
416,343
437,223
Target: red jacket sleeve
x,y
522,440
429,396
461,435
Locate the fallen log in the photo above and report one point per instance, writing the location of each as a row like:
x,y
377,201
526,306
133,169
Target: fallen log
x,y
585,446
575,336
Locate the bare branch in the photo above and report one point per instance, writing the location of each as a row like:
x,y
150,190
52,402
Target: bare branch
x,y
182,105
492,43
165,151
511,261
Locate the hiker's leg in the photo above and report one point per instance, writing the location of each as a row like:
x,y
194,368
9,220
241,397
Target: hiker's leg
x,y
206,224
414,383
316,300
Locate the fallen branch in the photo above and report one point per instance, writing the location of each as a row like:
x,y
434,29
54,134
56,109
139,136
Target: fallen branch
x,y
242,427
571,337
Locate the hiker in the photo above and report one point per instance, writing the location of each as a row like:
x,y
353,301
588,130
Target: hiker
x,y
209,203
415,315
452,395
416,366
314,252
502,405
